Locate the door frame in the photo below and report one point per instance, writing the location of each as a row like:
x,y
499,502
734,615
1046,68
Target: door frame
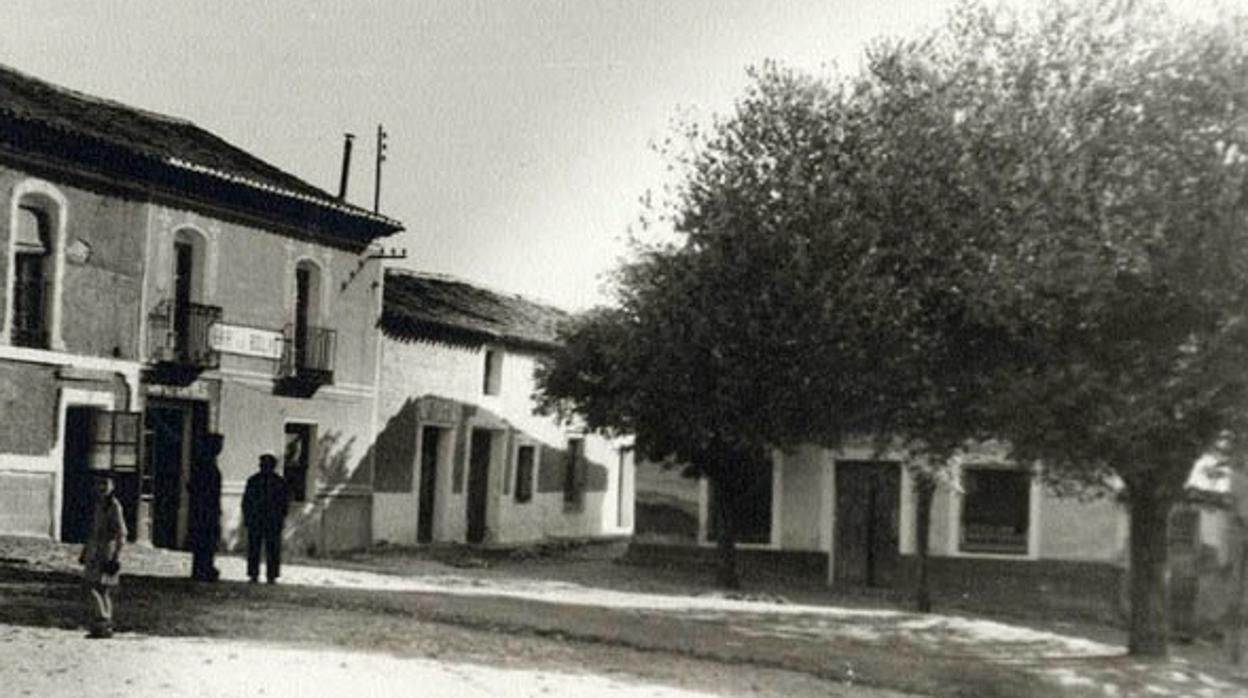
x,y
435,497
482,481
834,522
197,413
71,397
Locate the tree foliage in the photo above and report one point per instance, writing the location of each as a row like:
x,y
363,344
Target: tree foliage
x,y
1025,227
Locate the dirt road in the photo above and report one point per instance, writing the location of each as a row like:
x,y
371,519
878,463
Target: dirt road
x,y
440,626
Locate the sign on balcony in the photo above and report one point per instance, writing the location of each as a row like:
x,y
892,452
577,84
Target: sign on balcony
x,y
248,341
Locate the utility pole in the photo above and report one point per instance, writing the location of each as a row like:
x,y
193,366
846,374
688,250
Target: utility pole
x,y
381,157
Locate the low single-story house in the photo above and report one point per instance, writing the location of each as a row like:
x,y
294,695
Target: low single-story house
x,y
461,457
997,532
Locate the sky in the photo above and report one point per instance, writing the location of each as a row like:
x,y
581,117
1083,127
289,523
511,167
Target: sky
x,y
519,132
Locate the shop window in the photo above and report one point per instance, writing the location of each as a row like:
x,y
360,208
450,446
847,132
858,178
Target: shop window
x,y
996,511
493,374
526,456
299,442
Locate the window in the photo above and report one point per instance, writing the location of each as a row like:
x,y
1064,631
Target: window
x,y
525,458
996,509
493,375
572,473
32,273
299,440
115,441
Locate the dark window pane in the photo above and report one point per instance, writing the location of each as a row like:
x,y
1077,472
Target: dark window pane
x,y
995,511
297,457
524,473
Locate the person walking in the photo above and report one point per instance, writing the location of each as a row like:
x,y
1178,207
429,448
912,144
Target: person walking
x,y
101,555
204,495
264,513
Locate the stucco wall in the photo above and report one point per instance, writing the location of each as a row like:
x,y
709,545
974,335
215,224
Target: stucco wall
x,y
449,381
250,273
801,499
101,278
27,409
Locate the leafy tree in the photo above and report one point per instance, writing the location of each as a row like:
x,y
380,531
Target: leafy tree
x,y
1102,154
729,344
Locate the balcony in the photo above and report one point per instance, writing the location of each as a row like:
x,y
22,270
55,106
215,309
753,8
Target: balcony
x,y
30,315
307,359
178,344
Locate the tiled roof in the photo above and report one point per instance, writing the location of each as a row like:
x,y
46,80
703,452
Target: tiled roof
x,y
426,306
91,130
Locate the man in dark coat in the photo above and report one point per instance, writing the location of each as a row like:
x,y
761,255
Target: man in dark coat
x,y
264,513
204,524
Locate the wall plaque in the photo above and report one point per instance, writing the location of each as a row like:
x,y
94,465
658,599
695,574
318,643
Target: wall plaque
x,y
248,341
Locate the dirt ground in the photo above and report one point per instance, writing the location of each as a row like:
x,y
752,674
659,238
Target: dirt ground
x,y
550,624
315,638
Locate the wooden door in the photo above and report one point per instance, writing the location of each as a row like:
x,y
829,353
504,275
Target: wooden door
x,y
478,483
174,425
867,532
428,483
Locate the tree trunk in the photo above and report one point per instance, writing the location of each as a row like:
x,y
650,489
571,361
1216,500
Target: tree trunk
x,y
925,488
1149,628
726,542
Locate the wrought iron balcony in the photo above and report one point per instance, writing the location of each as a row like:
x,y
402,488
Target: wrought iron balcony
x,y
178,335
308,356
30,314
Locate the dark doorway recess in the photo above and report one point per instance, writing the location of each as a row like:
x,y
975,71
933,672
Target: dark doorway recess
x,y
175,426
429,444
76,495
478,483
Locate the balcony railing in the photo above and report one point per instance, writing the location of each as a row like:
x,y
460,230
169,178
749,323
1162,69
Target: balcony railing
x,y
30,314
308,355
178,334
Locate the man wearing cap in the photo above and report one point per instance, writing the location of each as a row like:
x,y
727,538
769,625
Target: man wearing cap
x,y
264,513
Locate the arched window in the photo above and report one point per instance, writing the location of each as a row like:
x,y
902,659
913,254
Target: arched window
x,y
35,258
311,346
191,320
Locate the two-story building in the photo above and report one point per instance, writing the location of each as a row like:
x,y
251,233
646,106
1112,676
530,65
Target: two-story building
x,y
158,283
461,456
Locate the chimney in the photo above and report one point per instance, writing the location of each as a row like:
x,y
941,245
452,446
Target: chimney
x,y
346,165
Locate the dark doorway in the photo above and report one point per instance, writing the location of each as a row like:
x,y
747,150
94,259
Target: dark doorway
x,y
478,483
76,492
866,535
175,426
429,443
